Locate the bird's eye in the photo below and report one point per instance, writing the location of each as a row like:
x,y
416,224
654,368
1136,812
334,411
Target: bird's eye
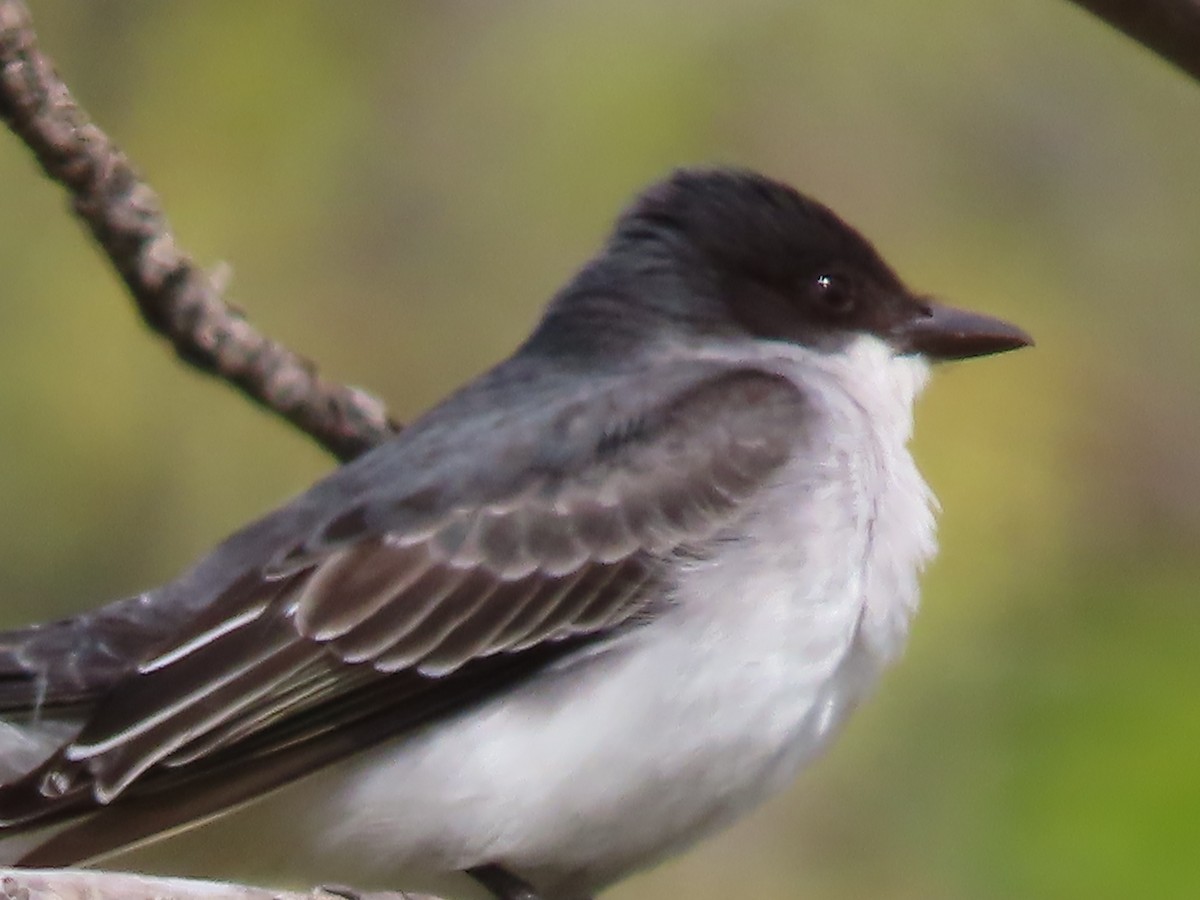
x,y
834,294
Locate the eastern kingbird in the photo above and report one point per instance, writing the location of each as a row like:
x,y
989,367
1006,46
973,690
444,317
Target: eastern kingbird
x,y
593,606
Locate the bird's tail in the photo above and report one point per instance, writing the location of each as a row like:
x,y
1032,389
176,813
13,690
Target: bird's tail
x,y
68,664
24,745
51,677
42,701
39,708
51,674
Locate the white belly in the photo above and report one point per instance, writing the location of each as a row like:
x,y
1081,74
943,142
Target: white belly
x,y
608,766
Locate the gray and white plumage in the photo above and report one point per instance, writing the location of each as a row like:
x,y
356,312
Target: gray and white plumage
x,y
593,606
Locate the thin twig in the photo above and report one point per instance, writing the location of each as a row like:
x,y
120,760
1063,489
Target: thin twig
x,y
175,296
1170,28
84,884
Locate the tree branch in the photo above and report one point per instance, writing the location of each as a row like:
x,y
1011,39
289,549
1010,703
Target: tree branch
x,y
1170,28
175,296
84,884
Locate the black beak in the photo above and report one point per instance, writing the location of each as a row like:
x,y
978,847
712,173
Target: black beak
x,y
944,333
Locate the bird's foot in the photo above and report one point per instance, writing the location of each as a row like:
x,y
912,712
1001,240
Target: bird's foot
x,y
503,884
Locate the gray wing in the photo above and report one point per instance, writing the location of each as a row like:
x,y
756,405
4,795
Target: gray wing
x,y
395,611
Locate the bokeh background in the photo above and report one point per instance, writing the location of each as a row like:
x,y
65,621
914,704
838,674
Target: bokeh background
x,y
400,186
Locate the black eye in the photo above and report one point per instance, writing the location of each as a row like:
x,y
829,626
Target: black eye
x,y
833,293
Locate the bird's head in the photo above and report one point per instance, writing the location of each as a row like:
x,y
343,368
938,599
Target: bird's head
x,y
733,251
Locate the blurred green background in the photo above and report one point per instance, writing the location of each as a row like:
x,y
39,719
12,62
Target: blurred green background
x,y
400,186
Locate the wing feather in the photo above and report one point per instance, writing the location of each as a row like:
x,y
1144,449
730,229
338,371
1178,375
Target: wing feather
x,y
392,610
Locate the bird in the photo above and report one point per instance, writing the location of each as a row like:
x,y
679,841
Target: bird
x,y
592,607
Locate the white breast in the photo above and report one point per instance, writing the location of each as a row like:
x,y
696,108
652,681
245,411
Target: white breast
x,y
871,392
853,501
815,597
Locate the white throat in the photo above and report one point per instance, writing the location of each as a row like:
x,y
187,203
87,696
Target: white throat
x,y
875,515
868,392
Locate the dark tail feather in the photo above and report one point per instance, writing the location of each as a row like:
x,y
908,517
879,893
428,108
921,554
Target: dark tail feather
x,y
71,662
